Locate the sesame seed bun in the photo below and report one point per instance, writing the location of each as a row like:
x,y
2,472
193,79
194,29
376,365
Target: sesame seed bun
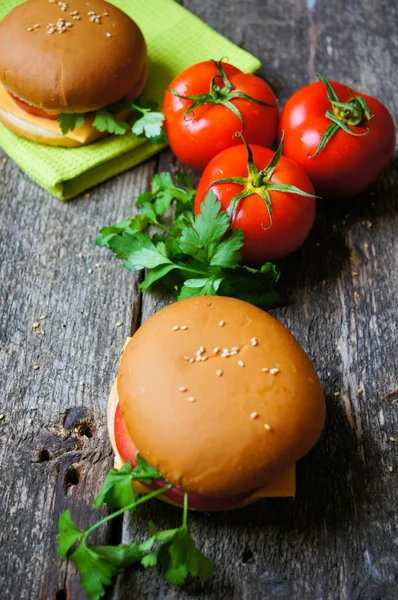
x,y
84,67
224,425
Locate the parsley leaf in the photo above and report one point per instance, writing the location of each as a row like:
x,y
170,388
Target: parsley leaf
x,y
134,225
138,251
69,533
105,121
117,490
70,121
150,124
196,255
178,553
99,564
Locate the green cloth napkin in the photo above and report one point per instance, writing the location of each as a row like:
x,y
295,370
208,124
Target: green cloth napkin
x,y
176,39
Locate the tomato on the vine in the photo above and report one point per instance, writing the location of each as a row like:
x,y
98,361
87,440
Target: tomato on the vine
x,y
343,140
267,195
208,103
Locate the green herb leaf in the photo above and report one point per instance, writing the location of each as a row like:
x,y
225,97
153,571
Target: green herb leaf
x,y
132,226
144,472
196,255
70,121
106,121
203,238
150,124
69,533
137,251
117,490
179,556
99,564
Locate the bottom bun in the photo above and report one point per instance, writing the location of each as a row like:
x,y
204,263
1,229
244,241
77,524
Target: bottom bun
x,y
35,133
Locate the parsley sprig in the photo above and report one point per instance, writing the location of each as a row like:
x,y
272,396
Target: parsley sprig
x,y
195,255
174,549
148,124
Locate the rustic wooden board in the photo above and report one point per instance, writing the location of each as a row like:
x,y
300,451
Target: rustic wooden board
x,y
338,539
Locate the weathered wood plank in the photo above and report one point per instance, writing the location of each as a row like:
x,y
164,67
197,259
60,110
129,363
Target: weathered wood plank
x,y
57,455
338,538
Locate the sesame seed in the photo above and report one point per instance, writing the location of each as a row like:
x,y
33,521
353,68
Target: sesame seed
x,y
356,294
90,271
224,355
118,324
355,273
35,367
68,24
366,246
33,408
98,265
219,372
274,371
201,349
392,439
30,29
36,325
235,349
360,390
105,14
184,327
202,358
191,399
221,323
254,342
191,360
30,421
216,350
182,388
233,353
198,358
42,317
265,369
91,12
267,427
337,394
241,363
1,417
225,350
108,34
175,328
187,358
390,469
81,383
254,415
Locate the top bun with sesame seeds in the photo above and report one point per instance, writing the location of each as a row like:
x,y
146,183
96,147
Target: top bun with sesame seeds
x,y
218,396
75,56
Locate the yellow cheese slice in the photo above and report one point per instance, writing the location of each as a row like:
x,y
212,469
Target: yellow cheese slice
x,y
80,134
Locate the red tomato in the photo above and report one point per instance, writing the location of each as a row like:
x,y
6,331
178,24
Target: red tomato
x,y
292,214
32,110
195,137
347,164
128,452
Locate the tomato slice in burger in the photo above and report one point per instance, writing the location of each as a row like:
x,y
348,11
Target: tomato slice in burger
x,y
128,452
32,110
124,443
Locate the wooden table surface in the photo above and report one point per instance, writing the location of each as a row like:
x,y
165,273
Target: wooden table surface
x,y
338,539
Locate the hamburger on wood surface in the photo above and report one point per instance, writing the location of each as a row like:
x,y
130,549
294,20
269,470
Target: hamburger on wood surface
x,y
220,398
67,58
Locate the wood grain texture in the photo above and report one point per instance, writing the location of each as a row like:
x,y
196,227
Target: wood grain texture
x,y
338,540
